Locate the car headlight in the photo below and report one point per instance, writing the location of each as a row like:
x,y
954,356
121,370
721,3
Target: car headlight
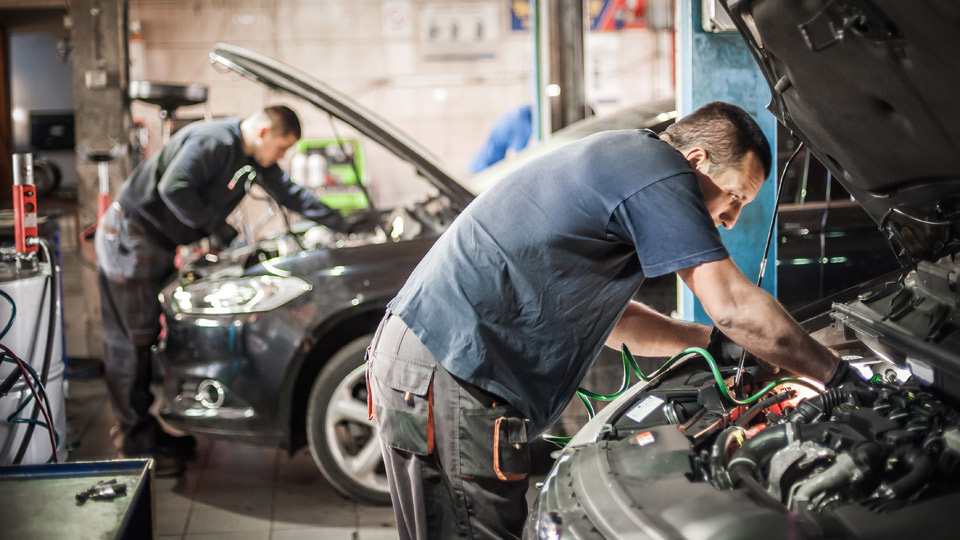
x,y
237,295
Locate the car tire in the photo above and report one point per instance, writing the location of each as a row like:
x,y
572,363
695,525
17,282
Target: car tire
x,y
344,443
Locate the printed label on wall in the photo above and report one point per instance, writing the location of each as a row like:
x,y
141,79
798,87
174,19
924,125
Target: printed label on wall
x,y
459,31
397,19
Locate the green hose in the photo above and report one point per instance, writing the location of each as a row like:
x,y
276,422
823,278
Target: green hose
x,y
630,364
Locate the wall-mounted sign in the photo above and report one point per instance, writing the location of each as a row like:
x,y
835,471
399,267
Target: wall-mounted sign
x,y
396,19
616,14
519,14
467,31
604,15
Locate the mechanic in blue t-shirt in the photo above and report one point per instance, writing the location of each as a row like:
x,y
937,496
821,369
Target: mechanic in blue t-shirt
x,y
511,132
488,340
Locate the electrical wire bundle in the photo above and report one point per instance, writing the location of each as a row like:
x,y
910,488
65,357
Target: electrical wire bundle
x,y
37,391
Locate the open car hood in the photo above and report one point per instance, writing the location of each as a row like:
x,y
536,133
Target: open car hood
x,y
285,78
870,87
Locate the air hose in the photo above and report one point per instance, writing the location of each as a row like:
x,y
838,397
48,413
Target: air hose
x,y
630,364
629,360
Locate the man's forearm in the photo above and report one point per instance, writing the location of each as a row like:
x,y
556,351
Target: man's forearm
x,y
755,320
649,333
298,199
766,330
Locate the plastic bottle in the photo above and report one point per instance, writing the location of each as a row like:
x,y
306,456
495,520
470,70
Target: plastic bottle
x,y
316,171
298,169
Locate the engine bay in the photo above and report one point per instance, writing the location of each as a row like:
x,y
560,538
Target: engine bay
x,y
426,218
875,458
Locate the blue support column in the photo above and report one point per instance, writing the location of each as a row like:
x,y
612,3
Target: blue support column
x,y
710,67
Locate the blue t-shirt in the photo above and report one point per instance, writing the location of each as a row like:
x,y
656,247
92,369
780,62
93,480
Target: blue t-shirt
x,y
511,132
518,296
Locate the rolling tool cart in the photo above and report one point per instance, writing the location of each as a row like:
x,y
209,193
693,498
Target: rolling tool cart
x,y
82,500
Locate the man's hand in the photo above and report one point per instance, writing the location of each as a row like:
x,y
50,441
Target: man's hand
x,y
364,221
222,236
723,350
843,374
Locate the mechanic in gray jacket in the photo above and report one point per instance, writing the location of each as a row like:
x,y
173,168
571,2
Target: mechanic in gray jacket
x,y
488,339
181,194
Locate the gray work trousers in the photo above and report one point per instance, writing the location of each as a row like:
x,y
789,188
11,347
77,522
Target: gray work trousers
x,y
131,271
456,457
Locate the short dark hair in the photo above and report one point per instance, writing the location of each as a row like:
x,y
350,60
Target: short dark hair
x,y
283,121
727,132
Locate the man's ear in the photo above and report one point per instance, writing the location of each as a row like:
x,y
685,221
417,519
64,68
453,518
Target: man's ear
x,y
263,132
696,156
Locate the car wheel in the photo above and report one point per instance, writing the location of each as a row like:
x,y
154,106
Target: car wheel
x,y
344,442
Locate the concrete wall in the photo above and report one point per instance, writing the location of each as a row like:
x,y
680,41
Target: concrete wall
x,y
379,52
448,105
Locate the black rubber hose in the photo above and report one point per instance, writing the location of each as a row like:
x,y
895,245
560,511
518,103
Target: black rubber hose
x,y
718,457
919,468
817,408
756,453
718,452
759,406
741,477
48,353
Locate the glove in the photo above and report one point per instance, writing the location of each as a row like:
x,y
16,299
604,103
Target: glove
x,y
221,237
843,374
362,222
723,350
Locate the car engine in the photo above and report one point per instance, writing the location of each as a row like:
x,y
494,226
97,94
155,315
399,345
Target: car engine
x,y
426,218
683,457
879,446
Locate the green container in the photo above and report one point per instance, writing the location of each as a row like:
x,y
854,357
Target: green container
x,y
345,163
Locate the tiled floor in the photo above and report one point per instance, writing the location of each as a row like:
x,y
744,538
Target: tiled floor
x,y
232,491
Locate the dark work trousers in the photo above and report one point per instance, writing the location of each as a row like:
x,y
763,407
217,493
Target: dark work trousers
x,y
132,270
456,457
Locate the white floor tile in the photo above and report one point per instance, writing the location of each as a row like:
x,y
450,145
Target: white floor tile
x,y
234,491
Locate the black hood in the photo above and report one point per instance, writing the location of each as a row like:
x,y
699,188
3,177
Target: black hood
x,y
287,79
871,87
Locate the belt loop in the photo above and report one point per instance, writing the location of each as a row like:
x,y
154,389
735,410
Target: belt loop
x,y
376,335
